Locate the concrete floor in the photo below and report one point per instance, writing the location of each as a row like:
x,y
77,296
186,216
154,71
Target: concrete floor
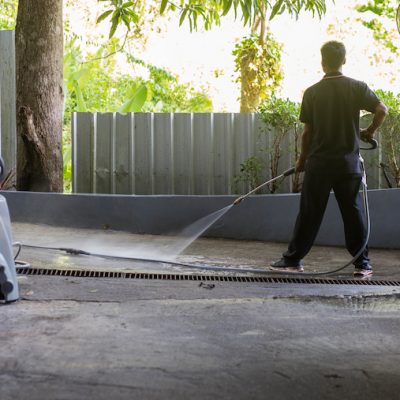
x,y
86,338
218,252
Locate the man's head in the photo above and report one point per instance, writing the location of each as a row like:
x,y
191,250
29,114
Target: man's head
x,y
333,56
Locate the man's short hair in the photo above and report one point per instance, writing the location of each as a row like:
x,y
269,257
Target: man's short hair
x,y
333,54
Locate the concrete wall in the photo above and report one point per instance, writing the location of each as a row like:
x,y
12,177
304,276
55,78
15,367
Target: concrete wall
x,y
264,217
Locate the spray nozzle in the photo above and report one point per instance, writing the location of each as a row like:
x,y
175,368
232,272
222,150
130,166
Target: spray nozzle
x,y
238,201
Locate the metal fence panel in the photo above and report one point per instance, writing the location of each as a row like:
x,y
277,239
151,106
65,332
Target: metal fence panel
x,y
104,130
7,99
182,153
123,154
203,170
82,152
242,146
222,152
143,150
163,147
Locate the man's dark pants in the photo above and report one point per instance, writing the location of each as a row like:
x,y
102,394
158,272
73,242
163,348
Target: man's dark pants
x,y
314,198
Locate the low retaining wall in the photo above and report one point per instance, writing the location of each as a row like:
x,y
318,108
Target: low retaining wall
x,y
263,217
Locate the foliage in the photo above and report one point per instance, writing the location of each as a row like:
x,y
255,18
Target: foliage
x,y
380,7
280,119
390,134
282,115
166,94
8,14
279,113
210,12
121,12
250,173
98,86
259,64
382,23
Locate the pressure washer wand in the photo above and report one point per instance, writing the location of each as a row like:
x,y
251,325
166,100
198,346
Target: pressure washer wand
x,y
288,172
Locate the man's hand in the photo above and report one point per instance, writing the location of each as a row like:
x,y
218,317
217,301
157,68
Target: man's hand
x,y
366,135
379,116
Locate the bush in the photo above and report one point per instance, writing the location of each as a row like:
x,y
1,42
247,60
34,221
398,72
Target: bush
x,y
280,120
390,135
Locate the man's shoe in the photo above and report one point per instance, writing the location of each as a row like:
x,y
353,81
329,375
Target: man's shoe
x,y
363,270
284,265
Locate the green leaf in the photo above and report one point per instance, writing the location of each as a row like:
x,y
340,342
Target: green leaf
x,y
227,7
104,16
134,17
136,101
126,21
67,154
80,73
127,4
81,105
114,25
163,6
276,8
183,15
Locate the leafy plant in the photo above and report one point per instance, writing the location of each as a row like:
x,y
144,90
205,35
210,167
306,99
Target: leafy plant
x,y
250,173
210,12
280,119
167,94
383,17
258,60
279,116
390,134
8,14
279,113
121,12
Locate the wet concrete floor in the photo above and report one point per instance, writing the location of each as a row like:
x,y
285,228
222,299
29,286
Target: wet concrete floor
x,y
216,252
89,338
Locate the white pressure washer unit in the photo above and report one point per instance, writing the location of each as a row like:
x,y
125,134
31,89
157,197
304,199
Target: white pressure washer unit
x,y
8,274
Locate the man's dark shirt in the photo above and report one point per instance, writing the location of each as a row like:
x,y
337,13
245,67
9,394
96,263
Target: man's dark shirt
x,y
332,108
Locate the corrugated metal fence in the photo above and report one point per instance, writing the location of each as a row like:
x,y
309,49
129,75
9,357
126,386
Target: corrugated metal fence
x,y
7,99
176,153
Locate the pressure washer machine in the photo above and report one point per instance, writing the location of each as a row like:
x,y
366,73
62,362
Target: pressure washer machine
x,y
8,274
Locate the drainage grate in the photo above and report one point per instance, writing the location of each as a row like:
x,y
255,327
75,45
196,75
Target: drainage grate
x,y
85,273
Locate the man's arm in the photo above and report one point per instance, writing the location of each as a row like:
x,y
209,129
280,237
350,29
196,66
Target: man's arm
x,y
305,147
380,114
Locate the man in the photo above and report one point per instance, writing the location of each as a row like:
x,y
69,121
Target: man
x,y
329,156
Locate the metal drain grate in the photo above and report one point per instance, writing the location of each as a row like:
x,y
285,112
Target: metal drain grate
x,y
85,273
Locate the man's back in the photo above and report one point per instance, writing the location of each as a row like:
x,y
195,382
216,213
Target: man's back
x,y
332,107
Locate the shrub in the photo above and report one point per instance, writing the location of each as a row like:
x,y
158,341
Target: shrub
x,y
390,135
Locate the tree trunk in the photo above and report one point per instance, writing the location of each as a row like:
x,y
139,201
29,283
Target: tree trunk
x,y
39,67
249,89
